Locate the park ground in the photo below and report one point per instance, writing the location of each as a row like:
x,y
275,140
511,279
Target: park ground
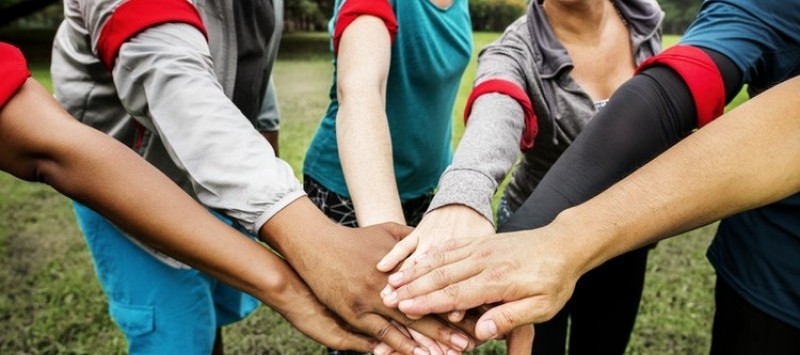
x,y
51,301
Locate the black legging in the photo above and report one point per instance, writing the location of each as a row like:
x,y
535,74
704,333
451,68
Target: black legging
x,y
645,116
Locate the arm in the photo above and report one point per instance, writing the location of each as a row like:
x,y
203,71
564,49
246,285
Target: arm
x,y
164,79
159,64
745,159
362,129
76,161
462,205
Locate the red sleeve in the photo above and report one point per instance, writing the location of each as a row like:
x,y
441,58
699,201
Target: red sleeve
x,y
135,16
352,9
700,74
515,92
13,71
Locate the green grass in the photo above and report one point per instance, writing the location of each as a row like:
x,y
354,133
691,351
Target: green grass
x,y
52,303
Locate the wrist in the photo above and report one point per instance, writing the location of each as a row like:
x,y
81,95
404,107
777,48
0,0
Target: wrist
x,y
458,213
585,241
295,228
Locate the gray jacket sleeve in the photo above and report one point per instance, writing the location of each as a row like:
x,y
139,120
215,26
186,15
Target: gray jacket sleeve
x,y
165,80
490,144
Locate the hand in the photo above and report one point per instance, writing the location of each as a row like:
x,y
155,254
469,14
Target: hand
x,y
531,274
438,226
290,296
336,262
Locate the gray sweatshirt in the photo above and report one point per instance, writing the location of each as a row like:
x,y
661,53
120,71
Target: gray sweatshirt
x,y
529,55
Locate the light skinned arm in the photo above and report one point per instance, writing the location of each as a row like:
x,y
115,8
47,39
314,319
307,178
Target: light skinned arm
x,y
745,159
462,205
362,128
39,141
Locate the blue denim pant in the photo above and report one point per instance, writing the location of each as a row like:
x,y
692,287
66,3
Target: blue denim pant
x,y
162,307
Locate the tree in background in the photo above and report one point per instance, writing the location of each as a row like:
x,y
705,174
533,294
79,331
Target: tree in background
x,y
679,14
307,15
495,15
30,13
313,15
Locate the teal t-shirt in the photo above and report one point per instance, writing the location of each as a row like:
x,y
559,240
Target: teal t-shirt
x,y
430,51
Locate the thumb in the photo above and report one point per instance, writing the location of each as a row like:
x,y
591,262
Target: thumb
x,y
346,340
397,231
501,319
399,252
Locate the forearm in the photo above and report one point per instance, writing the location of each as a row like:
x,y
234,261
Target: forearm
x,y
365,151
98,171
745,159
289,238
362,128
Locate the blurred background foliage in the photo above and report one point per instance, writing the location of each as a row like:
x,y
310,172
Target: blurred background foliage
x,y
313,15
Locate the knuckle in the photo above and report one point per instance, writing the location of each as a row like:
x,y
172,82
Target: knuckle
x,y
450,244
381,331
440,278
452,293
507,319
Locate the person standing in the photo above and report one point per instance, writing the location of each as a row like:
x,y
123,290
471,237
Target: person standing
x,y
537,87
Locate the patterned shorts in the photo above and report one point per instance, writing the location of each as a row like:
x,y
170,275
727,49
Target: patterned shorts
x,y
340,209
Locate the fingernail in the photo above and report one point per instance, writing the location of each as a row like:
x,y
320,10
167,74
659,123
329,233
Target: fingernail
x,y
390,297
396,277
420,351
379,350
382,264
489,328
386,290
435,351
461,342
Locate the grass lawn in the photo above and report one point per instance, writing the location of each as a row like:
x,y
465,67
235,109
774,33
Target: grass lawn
x,y
52,303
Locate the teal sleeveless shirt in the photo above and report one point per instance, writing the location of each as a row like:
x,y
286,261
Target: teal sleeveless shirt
x,y
430,51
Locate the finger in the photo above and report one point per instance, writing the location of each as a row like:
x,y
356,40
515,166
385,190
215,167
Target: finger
x,y
401,328
502,319
382,349
435,329
399,252
520,340
426,342
455,287
353,341
450,251
387,333
398,231
332,334
455,316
